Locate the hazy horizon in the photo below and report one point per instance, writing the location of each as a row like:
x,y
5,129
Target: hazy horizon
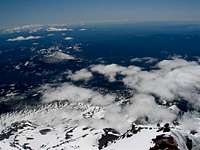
x,y
17,13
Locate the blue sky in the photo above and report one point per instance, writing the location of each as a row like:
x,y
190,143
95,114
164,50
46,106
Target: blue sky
x,y
20,12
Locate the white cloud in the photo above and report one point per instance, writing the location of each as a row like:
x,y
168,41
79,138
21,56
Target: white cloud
x,y
82,74
75,94
142,105
147,60
169,80
83,29
197,58
172,79
145,106
190,121
26,28
68,38
21,38
54,29
174,64
109,71
130,71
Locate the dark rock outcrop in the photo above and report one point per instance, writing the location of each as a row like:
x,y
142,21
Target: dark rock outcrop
x,y
163,142
15,127
110,135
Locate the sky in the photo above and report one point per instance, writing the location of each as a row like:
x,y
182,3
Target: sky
x,y
22,12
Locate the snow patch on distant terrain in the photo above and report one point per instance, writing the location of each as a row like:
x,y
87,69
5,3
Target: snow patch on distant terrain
x,y
58,56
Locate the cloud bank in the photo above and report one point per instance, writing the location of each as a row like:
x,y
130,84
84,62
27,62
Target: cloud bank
x,y
54,29
21,38
147,60
75,94
82,74
25,28
170,80
68,38
110,71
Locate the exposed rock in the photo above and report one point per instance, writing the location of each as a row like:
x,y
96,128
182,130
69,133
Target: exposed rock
x,y
110,135
44,131
165,128
15,127
67,134
193,132
133,130
163,142
188,143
